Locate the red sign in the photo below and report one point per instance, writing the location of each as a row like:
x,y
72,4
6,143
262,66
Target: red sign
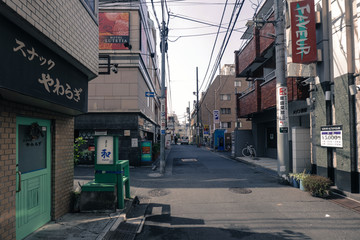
x,y
303,32
113,30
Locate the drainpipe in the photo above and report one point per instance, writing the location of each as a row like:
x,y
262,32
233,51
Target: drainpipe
x,y
327,81
350,47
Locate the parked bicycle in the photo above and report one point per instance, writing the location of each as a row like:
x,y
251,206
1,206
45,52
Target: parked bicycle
x,y
249,151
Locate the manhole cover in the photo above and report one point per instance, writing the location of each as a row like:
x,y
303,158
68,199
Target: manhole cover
x,y
158,192
189,160
240,190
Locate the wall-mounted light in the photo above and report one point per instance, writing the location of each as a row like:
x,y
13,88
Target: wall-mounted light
x,y
354,89
128,45
310,101
328,95
114,68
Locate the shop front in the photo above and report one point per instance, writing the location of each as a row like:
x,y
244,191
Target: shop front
x,y
40,93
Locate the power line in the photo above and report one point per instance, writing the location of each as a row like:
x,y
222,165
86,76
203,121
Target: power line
x,y
217,35
224,43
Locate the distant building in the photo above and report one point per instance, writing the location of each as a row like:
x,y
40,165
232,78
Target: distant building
x,y
48,54
221,97
123,100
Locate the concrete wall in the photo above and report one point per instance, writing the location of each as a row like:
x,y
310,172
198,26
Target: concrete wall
x,y
117,92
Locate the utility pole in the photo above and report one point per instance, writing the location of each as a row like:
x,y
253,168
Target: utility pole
x,y
164,32
281,93
197,110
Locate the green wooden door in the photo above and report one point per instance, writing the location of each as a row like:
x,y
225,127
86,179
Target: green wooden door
x,y
33,178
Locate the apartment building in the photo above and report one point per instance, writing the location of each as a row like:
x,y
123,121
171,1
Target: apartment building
x,y
123,99
221,96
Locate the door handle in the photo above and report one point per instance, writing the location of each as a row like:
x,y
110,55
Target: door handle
x,y
19,189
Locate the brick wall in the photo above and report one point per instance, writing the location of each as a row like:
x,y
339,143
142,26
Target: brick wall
x,y
67,23
268,95
62,162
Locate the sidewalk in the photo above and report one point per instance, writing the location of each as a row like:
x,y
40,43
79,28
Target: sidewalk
x,y
347,200
96,225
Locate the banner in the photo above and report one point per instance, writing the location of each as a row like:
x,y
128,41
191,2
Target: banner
x,y
303,32
113,30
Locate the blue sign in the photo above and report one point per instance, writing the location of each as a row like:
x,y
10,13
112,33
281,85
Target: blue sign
x,y
216,116
149,94
162,132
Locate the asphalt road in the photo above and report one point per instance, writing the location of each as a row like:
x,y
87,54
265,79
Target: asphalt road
x,y
205,195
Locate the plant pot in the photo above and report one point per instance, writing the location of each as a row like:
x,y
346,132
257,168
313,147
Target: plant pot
x,y
301,185
295,183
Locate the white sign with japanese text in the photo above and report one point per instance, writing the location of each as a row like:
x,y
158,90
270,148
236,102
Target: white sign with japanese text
x,y
105,148
282,102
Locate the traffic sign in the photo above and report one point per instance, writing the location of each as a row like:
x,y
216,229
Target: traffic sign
x,y
149,94
216,115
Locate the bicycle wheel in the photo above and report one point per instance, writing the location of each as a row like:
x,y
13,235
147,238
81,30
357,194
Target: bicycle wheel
x,y
245,152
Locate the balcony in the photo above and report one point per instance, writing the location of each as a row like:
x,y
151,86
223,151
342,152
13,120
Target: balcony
x,y
261,95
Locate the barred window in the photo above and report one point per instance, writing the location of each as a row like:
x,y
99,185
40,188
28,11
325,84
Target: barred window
x,y
237,84
225,110
225,97
226,125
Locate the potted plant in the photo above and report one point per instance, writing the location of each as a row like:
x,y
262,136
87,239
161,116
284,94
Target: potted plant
x,y
318,186
293,180
298,178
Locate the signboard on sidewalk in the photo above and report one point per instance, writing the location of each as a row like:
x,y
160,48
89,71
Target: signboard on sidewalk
x,y
105,150
331,136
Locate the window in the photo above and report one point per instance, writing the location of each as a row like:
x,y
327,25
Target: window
x,y
92,7
238,124
225,110
237,84
226,125
225,97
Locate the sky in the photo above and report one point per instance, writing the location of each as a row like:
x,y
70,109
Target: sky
x,y
190,44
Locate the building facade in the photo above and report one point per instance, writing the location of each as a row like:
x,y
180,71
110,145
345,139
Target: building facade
x,y
328,83
123,100
221,97
256,62
334,97
45,69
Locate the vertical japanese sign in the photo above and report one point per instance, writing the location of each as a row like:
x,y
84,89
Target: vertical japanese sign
x,y
163,116
282,100
216,115
105,148
113,30
303,32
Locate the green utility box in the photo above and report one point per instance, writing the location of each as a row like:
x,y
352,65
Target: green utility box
x,y
111,175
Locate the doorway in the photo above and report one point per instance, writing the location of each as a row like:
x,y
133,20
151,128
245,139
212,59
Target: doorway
x,y
33,174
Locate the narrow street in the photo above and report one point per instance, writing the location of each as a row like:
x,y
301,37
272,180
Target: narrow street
x,y
207,195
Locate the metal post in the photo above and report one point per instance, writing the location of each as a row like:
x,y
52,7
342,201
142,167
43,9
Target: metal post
x,y
163,114
197,110
281,92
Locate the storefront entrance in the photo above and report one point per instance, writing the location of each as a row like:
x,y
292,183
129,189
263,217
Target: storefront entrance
x,y
33,174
